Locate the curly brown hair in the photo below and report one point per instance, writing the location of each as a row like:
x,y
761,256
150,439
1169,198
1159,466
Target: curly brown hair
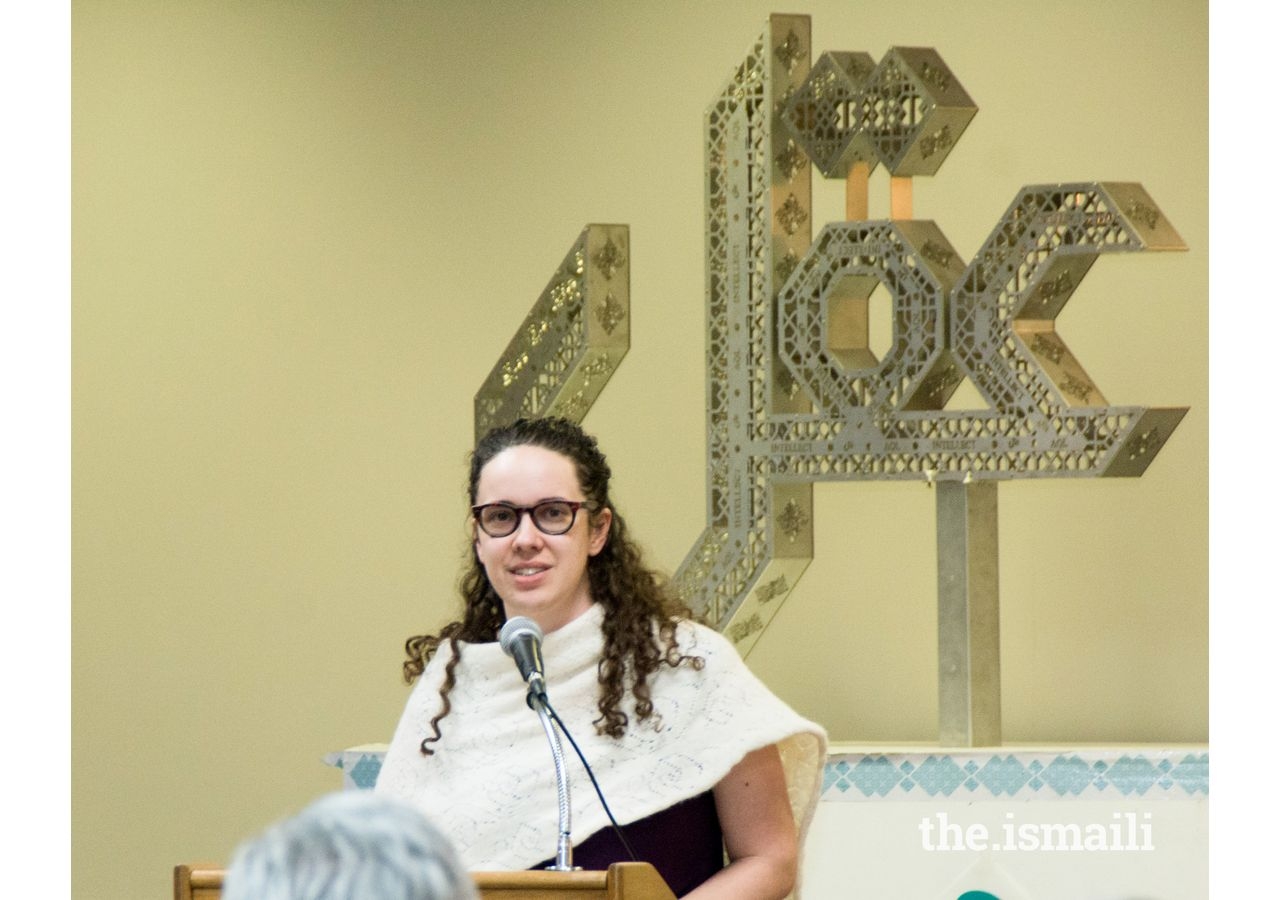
x,y
640,609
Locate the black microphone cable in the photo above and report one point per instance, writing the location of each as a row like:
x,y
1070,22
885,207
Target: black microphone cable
x,y
617,829
521,639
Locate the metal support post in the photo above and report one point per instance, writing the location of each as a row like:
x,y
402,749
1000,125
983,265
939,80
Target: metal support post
x,y
968,614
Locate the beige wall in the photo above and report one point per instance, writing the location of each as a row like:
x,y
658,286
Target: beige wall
x,y
304,232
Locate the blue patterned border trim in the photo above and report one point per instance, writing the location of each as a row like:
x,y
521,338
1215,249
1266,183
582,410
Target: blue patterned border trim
x,y
1093,775
867,777
360,768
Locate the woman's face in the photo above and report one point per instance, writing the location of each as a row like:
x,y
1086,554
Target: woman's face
x,y
542,576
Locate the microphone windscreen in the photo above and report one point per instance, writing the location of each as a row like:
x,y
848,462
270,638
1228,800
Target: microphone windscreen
x,y
512,631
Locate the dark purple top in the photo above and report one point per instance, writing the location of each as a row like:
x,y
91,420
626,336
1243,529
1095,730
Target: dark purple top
x,y
683,842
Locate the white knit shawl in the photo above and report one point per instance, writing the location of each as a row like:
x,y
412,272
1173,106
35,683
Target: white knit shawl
x,y
491,784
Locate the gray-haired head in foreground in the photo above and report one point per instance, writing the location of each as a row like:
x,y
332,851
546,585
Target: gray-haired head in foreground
x,y
352,845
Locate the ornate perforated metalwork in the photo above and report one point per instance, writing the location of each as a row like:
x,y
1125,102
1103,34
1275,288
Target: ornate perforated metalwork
x,y
1045,417
907,112
789,405
759,531
826,113
1006,304
573,339
847,262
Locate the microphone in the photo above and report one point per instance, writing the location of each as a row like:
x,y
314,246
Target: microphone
x,y
521,639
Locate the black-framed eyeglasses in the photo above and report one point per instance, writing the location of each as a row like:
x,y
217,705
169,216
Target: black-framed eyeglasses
x,y
549,516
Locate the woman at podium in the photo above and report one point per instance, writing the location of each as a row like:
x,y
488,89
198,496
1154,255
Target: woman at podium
x,y
713,779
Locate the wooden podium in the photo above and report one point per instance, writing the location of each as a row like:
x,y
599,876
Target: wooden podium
x,y
622,881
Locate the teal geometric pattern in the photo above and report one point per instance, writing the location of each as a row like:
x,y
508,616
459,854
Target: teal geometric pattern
x,y
1021,775
1094,774
359,767
365,772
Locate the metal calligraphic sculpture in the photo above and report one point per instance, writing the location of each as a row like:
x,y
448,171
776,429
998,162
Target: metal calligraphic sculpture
x,y
796,393
573,339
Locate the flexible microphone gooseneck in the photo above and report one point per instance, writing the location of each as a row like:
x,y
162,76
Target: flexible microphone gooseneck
x,y
521,639
617,829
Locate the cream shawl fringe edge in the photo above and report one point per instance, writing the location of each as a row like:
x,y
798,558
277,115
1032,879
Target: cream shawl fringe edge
x,y
491,787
